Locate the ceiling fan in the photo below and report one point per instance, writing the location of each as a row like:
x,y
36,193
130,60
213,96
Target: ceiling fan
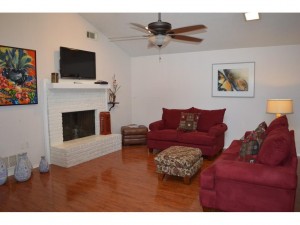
x,y
160,33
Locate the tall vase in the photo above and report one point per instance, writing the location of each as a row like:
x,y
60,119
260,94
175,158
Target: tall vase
x,y
44,166
28,161
3,172
23,168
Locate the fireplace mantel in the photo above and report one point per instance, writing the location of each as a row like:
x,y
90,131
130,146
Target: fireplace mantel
x,y
77,86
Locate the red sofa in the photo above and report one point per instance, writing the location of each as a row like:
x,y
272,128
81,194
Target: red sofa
x,y
267,182
208,136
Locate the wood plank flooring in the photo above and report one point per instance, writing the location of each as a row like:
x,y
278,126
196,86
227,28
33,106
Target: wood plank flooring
x,y
123,181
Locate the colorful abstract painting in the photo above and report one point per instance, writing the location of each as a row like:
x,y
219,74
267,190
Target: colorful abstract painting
x,y
18,78
233,80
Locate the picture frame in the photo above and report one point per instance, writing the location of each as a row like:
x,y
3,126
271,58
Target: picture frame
x,y
18,78
233,79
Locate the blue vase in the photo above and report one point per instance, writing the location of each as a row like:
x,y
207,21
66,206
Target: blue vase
x,y
23,168
44,166
3,172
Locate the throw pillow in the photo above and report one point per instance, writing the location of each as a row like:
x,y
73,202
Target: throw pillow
x,y
171,117
277,123
260,133
209,118
252,142
188,121
276,147
250,146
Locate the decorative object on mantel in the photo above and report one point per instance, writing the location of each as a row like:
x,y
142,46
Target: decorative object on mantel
x,y
113,90
105,126
233,79
54,78
280,106
3,172
23,168
112,105
18,78
44,165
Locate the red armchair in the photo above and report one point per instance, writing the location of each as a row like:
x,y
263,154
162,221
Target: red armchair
x,y
268,184
209,135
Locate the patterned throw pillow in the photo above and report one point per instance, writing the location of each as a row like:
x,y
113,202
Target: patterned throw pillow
x,y
188,121
260,133
252,143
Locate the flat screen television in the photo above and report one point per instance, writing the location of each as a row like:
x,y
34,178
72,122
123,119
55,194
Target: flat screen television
x,y
77,64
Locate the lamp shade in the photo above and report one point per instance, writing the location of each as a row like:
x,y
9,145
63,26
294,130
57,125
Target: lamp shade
x,y
280,106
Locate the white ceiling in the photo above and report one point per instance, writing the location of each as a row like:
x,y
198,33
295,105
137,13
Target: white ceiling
x,y
224,30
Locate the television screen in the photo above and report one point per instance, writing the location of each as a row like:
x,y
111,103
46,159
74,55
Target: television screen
x,y
77,64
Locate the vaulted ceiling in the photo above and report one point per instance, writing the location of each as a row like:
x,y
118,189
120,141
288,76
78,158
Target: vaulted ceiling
x,y
224,30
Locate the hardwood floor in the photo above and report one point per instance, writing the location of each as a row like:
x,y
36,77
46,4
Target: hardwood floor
x,y
123,181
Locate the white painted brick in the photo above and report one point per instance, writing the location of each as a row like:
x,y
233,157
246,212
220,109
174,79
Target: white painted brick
x,y
80,150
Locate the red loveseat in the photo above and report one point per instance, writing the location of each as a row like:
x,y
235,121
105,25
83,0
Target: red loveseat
x,y
208,136
268,184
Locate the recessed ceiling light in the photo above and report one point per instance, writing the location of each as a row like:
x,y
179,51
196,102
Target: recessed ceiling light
x,y
251,16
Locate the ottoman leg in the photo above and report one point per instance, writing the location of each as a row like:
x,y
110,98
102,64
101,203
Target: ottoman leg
x,y
161,176
187,179
151,150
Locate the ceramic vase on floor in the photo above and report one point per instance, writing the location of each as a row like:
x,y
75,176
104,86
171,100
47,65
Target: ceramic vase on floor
x,y
44,166
3,172
28,161
23,168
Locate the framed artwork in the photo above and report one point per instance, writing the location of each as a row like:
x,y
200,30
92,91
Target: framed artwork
x,y
233,79
18,78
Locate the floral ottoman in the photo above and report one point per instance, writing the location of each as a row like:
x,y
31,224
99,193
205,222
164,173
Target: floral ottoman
x,y
179,161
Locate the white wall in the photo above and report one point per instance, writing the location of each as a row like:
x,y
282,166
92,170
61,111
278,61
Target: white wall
x,y
22,127
185,80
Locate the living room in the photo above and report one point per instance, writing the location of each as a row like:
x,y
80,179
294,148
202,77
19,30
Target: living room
x,y
147,84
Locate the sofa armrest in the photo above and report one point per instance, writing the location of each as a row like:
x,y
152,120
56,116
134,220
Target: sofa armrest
x,y
157,125
217,130
255,173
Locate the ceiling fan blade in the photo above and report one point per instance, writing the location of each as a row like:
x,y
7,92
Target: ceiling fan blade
x,y
128,38
186,29
141,27
186,38
150,45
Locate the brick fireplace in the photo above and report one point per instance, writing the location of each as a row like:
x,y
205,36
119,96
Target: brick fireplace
x,y
68,97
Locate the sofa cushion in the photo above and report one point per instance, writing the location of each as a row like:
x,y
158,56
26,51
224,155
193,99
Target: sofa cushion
x,y
196,138
171,117
188,121
275,148
278,122
209,118
163,135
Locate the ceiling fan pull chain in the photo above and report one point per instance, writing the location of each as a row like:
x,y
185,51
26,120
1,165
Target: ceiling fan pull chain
x,y
159,57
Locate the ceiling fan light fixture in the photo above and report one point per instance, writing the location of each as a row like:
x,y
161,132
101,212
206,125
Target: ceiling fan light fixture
x,y
159,40
251,16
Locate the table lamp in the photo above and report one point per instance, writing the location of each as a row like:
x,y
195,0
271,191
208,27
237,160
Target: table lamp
x,y
279,106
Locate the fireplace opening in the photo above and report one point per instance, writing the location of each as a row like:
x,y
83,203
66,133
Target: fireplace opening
x,y
78,124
